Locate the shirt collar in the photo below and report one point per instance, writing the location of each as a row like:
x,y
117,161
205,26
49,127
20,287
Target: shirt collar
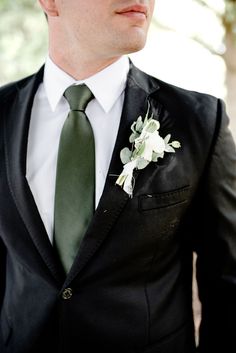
x,y
112,77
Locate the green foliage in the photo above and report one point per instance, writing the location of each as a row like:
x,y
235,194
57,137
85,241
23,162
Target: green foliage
x,y
229,18
23,38
12,5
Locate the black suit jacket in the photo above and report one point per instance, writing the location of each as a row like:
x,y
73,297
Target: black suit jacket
x,y
130,287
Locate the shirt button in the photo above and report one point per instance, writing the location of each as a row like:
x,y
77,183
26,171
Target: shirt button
x,y
67,293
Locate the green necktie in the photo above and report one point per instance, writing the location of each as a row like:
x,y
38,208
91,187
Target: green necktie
x,y
74,194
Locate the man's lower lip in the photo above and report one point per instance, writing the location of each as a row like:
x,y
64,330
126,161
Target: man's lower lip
x,y
133,14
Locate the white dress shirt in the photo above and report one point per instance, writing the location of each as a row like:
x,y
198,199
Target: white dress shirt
x,y
49,112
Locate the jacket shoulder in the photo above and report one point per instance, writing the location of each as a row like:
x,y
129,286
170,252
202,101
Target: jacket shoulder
x,y
11,88
196,113
175,98
149,83
192,106
185,96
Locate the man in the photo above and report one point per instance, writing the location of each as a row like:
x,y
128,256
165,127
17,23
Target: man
x,y
127,286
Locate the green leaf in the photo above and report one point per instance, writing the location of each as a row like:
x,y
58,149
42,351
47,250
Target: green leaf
x,y
125,155
139,125
167,138
169,149
154,157
175,144
142,163
133,136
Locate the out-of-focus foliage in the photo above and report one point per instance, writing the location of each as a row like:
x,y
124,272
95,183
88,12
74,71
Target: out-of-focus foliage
x,y
23,38
14,5
23,34
229,18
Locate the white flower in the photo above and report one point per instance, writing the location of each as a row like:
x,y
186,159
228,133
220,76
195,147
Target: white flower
x,y
153,142
147,146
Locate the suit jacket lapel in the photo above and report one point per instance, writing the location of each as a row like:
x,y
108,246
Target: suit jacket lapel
x,y
138,92
16,134
139,88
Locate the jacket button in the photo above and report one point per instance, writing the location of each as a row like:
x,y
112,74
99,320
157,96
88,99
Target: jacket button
x,y
67,293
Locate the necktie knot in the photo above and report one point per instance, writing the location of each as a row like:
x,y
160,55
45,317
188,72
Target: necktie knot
x,y
78,97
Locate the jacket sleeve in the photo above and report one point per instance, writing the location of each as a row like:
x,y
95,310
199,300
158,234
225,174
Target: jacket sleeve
x,y
216,243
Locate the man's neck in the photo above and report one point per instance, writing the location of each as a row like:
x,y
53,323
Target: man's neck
x,y
81,69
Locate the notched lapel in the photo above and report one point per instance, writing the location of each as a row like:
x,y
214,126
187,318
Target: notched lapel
x,y
16,127
113,200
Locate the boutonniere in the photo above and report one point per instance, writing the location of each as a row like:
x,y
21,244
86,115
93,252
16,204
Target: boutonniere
x,y
147,146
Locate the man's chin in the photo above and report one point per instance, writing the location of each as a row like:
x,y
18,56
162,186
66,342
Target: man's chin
x,y
134,47
137,41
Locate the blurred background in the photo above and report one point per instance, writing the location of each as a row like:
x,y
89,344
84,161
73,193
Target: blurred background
x,y
191,43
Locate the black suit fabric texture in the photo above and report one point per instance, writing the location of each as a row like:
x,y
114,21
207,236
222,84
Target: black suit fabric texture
x,y
130,287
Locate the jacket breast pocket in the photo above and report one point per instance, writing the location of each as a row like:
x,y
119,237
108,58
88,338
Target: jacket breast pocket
x,y
163,200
